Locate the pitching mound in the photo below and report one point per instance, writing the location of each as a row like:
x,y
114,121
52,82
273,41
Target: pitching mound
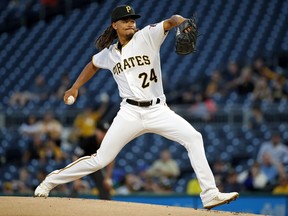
x,y
29,206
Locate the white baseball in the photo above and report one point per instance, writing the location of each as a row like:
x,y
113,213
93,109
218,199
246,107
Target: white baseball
x,y
70,100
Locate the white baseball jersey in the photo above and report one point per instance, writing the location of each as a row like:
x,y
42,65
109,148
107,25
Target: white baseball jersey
x,y
137,68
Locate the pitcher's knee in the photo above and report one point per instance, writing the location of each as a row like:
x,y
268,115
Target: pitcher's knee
x,y
198,137
100,163
195,140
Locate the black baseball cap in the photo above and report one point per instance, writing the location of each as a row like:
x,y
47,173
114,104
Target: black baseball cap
x,y
123,11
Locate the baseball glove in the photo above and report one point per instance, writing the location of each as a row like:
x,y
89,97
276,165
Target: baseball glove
x,y
186,37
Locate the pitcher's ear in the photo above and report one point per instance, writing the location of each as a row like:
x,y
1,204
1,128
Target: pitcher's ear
x,y
114,25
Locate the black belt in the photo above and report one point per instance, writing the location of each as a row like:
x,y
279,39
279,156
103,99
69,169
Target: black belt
x,y
142,103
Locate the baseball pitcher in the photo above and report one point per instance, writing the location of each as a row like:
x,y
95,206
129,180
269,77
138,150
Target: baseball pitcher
x,y
134,61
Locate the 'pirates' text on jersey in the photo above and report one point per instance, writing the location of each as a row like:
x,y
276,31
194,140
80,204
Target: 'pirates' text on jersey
x,y
131,62
136,69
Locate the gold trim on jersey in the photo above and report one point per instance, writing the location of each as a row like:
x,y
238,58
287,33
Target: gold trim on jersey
x,y
72,164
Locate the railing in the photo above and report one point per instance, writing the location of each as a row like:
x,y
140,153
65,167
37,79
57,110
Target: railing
x,y
234,114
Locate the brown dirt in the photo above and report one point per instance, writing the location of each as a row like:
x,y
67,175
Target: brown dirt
x,y
30,206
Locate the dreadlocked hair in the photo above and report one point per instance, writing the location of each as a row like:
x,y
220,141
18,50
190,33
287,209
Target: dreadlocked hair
x,y
106,38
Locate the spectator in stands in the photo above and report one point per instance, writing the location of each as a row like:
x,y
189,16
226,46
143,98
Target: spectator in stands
x,y
231,182
31,127
262,70
244,85
132,183
187,97
282,186
80,186
64,84
49,8
86,122
50,3
150,185
230,74
39,177
220,170
272,169
51,127
62,189
275,148
8,188
278,88
232,71
203,107
53,151
102,178
254,118
84,128
37,92
164,170
253,179
193,187
261,92
285,89
34,150
214,88
13,4
14,10
23,183
44,135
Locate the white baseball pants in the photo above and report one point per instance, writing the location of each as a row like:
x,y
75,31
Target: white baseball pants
x,y
130,122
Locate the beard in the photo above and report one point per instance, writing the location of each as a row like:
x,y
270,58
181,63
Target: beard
x,y
129,35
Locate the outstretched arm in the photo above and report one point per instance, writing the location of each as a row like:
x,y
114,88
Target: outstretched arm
x,y
172,22
87,73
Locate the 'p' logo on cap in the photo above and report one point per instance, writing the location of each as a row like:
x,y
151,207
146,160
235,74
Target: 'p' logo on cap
x,y
122,12
128,8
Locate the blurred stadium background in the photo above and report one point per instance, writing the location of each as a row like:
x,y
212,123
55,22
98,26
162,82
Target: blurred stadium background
x,y
56,38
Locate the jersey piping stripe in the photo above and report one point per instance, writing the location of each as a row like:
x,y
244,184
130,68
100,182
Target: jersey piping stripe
x,y
72,164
